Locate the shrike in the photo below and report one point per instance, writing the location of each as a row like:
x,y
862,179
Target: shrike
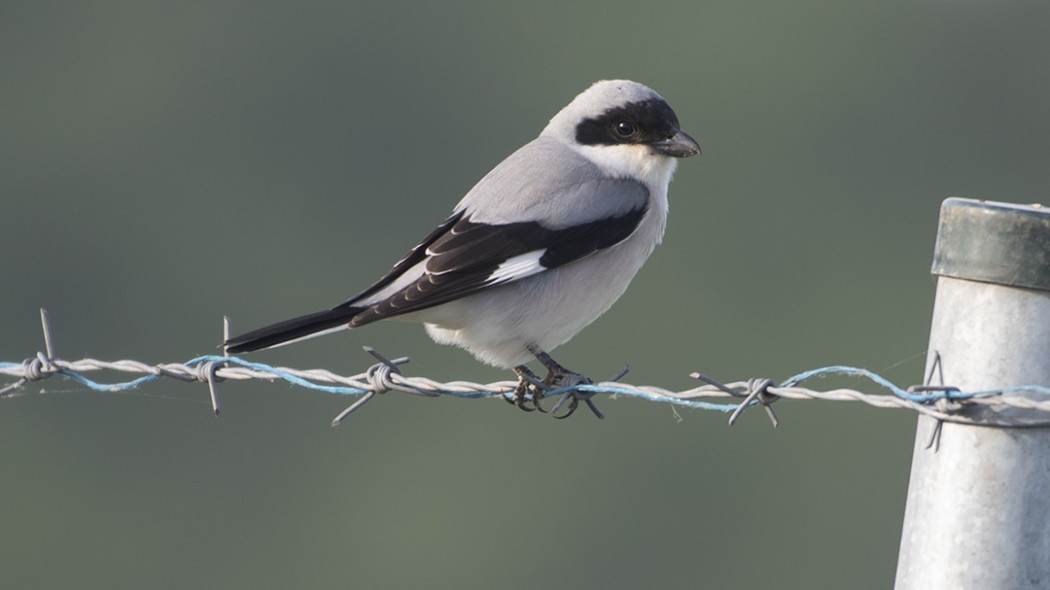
x,y
544,244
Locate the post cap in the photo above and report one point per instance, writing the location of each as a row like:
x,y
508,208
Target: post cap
x,y
1000,243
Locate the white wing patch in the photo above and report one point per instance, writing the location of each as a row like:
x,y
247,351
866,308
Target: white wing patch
x,y
517,267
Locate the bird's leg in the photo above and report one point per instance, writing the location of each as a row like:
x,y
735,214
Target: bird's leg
x,y
559,377
528,383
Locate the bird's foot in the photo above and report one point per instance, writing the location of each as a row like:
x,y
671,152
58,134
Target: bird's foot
x,y
565,379
558,377
530,389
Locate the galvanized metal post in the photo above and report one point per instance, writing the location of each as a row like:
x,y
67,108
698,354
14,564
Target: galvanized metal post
x,y
978,512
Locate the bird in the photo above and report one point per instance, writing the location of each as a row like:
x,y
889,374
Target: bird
x,y
537,250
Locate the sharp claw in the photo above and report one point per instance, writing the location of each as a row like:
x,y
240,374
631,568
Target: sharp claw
x,y
572,405
529,389
537,395
570,412
576,396
520,397
561,401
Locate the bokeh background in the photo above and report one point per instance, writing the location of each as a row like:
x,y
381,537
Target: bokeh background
x,y
165,163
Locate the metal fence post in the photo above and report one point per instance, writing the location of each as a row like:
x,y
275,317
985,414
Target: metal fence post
x,y
978,511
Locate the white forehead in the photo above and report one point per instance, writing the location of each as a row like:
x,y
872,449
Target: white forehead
x,y
594,101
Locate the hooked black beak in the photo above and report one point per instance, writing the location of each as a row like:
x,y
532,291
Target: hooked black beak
x,y
679,145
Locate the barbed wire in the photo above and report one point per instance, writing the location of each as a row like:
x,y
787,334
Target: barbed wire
x,y
941,402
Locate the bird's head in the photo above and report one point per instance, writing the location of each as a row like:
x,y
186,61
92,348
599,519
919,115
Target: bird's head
x,y
625,128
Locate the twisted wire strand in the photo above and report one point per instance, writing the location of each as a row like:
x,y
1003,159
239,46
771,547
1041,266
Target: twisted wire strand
x,y
942,403
224,367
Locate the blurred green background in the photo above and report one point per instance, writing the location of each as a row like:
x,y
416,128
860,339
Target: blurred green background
x,y
163,164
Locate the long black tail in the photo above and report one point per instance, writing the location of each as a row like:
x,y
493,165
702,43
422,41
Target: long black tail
x,y
288,331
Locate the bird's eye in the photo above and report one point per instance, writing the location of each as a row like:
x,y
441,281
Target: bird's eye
x,y
624,129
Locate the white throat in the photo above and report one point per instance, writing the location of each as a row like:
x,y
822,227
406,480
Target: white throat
x,y
631,161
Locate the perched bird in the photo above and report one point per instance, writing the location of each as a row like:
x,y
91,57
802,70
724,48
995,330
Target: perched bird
x,y
545,243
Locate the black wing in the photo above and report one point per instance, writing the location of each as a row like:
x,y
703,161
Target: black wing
x,y
469,257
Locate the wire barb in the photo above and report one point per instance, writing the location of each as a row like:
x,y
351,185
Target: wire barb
x,y
379,377
206,373
927,386
45,325
40,366
758,392
353,408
